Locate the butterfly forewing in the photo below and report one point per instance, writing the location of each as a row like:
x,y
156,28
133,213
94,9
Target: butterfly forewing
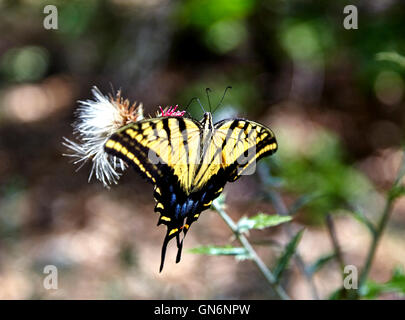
x,y
243,143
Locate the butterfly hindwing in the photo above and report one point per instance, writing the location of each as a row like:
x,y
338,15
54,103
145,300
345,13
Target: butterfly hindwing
x,y
178,211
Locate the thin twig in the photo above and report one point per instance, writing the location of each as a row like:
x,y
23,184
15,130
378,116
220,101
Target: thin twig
x,y
376,238
335,242
282,209
386,214
252,253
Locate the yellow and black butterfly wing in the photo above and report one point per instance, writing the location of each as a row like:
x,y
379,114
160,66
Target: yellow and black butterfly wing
x,y
157,144
233,150
188,169
165,152
178,210
243,143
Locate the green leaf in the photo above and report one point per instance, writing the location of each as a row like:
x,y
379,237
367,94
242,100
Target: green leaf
x,y
339,294
238,252
391,56
322,261
360,216
397,191
336,295
284,259
371,290
396,284
261,221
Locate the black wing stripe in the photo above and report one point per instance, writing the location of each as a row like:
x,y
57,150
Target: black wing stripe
x,y
182,128
134,154
167,129
243,130
229,133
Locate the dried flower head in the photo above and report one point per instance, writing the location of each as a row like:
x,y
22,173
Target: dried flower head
x,y
129,113
97,120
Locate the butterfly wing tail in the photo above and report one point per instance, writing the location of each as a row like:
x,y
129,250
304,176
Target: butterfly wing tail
x,y
179,248
163,255
169,236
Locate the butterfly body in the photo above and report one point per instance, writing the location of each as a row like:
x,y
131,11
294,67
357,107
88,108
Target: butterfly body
x,y
189,162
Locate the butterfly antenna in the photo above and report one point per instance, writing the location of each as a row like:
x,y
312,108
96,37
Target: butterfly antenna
x,y
188,104
207,91
199,102
222,99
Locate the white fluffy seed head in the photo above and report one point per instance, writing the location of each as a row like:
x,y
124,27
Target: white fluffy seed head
x,y
97,120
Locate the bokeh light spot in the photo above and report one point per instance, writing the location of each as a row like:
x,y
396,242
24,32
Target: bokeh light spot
x,y
301,41
225,36
389,87
25,64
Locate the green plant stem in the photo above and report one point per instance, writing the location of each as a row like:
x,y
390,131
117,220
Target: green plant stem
x,y
282,209
376,238
332,233
252,253
385,216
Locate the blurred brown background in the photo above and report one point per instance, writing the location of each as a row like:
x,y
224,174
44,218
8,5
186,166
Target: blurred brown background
x,y
335,104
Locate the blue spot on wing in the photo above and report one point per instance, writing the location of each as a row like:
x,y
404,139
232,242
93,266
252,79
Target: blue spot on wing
x,y
194,208
184,209
203,196
189,204
173,199
177,211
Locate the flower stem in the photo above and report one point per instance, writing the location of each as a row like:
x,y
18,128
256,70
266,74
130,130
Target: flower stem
x,y
252,253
